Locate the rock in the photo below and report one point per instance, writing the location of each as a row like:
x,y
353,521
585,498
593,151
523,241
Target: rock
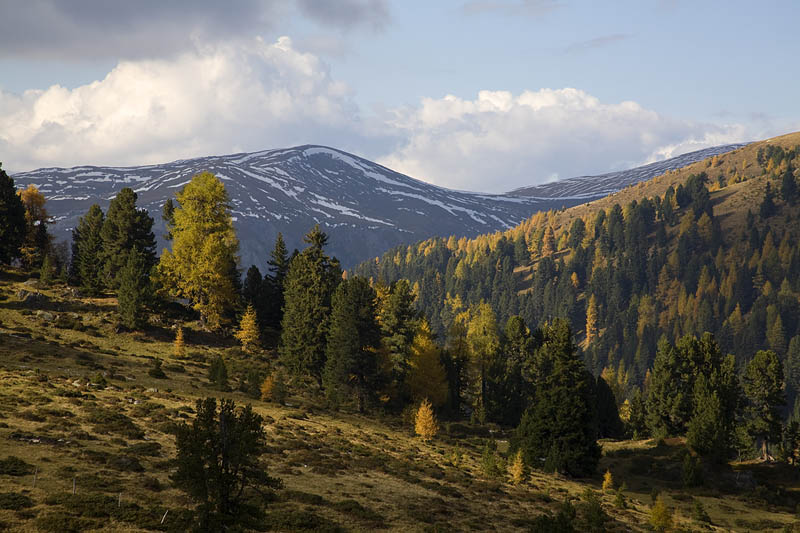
x,y
32,282
46,316
152,389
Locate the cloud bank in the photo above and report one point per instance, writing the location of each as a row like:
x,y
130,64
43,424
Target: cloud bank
x,y
254,95
500,141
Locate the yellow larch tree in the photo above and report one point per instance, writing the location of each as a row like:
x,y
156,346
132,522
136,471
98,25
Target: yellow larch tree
x,y
248,333
178,347
425,424
426,376
517,468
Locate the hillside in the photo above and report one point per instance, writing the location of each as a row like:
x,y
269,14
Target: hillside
x,y
81,413
651,268
365,207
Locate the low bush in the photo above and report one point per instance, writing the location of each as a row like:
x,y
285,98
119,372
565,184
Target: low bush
x,y
14,466
14,501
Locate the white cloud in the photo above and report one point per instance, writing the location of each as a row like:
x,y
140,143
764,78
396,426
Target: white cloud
x,y
220,99
500,141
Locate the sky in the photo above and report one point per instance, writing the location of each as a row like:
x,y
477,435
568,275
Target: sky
x,y
483,95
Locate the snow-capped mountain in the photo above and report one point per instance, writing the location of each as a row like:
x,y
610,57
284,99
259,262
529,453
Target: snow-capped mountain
x,y
587,188
364,207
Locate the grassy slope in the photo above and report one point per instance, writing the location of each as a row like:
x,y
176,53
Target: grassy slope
x,y
47,402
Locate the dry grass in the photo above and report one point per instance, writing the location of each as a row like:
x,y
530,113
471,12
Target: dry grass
x,y
342,469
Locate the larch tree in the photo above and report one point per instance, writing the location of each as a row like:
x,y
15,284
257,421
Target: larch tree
x,y
87,251
125,227
426,377
425,424
351,365
249,334
201,266
591,320
12,219
483,339
763,387
178,345
309,285
36,242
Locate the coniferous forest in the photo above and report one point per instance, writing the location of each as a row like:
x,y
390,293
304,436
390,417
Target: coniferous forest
x,y
671,317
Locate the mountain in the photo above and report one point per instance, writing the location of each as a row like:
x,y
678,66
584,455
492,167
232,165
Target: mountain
x,y
364,207
587,188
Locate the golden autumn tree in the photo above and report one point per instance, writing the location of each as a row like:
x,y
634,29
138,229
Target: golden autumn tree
x,y
549,242
608,481
178,347
517,468
202,265
425,424
591,320
248,333
36,242
426,377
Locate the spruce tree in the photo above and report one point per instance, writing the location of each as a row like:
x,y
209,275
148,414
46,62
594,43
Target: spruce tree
x,y
398,321
561,423
637,419
767,207
134,292
12,219
125,228
789,191
763,387
351,364
87,251
309,284
218,374
706,432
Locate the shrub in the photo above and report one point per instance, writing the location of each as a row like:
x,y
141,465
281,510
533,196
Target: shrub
x,y
14,501
608,481
692,471
699,513
110,421
593,512
14,466
156,371
517,468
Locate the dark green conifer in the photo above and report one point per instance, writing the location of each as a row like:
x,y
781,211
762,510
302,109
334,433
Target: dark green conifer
x,y
86,266
309,284
561,423
12,218
124,229
763,388
767,207
789,187
134,292
353,339
218,374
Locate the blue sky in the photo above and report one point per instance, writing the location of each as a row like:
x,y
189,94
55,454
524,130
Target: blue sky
x,y
483,95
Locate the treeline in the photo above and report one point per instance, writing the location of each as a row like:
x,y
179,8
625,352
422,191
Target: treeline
x,y
627,276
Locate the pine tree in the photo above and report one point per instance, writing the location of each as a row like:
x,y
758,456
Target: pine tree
x,y
308,288
134,290
202,264
218,464
87,250
353,338
560,425
426,377
156,371
272,288
763,387
483,339
706,432
12,219
251,290
517,468
178,347
637,419
248,333
125,228
425,424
